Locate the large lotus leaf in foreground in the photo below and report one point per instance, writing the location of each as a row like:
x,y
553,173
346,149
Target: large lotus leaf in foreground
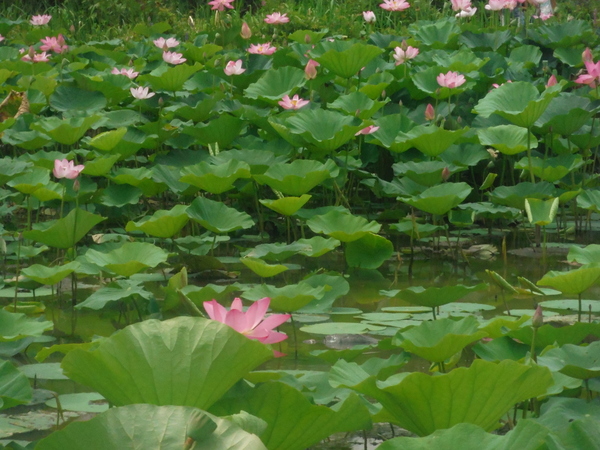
x,y
148,427
293,423
480,394
183,361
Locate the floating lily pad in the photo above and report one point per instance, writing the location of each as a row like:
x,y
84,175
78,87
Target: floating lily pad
x,y
44,371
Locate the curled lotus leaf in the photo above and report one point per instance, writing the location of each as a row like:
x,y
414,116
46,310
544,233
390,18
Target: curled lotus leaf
x,y
439,199
298,177
130,258
342,226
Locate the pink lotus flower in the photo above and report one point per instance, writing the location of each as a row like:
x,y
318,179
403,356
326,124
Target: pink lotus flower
x,y
467,12
310,71
251,323
429,112
40,20
1,38
166,44
368,130
451,79
369,16
496,85
141,93
587,55
394,5
460,5
246,32
495,5
36,57
55,44
66,169
293,103
220,5
234,68
129,73
262,49
277,18
173,58
551,81
403,55
543,17
592,77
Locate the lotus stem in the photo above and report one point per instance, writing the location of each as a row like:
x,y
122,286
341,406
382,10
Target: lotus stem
x,y
433,312
295,337
529,160
579,310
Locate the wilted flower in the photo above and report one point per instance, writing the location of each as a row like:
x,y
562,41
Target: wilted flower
x,y
369,16
251,323
551,81
394,5
66,169
429,112
220,5
173,58
246,32
141,93
40,20
401,55
234,68
292,103
368,130
55,44
129,73
451,79
310,71
277,18
166,44
262,49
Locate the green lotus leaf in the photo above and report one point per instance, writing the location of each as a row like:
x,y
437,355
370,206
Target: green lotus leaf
x,y
527,56
287,205
49,275
573,360
563,34
426,81
348,62
163,223
337,287
326,130
10,168
340,328
15,326
393,133
427,173
112,292
100,166
436,296
143,363
507,139
66,131
14,386
114,87
287,298
416,230
30,181
169,79
586,255
582,433
541,212
549,335
589,199
217,217
121,195
439,199
348,354
72,99
318,246
485,41
572,281
43,371
293,422
209,292
368,252
223,131
29,140
357,103
558,413
342,226
261,268
566,114
130,258
298,177
91,402
65,232
277,251
527,435
500,349
276,83
108,140
432,141
480,394
215,178
501,325
437,34
514,196
438,340
551,169
518,102
570,305
149,426
196,107
133,141
141,178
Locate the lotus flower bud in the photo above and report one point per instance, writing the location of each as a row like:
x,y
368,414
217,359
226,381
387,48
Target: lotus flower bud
x,y
587,56
310,71
76,185
307,38
429,112
246,32
445,174
72,28
538,317
551,81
